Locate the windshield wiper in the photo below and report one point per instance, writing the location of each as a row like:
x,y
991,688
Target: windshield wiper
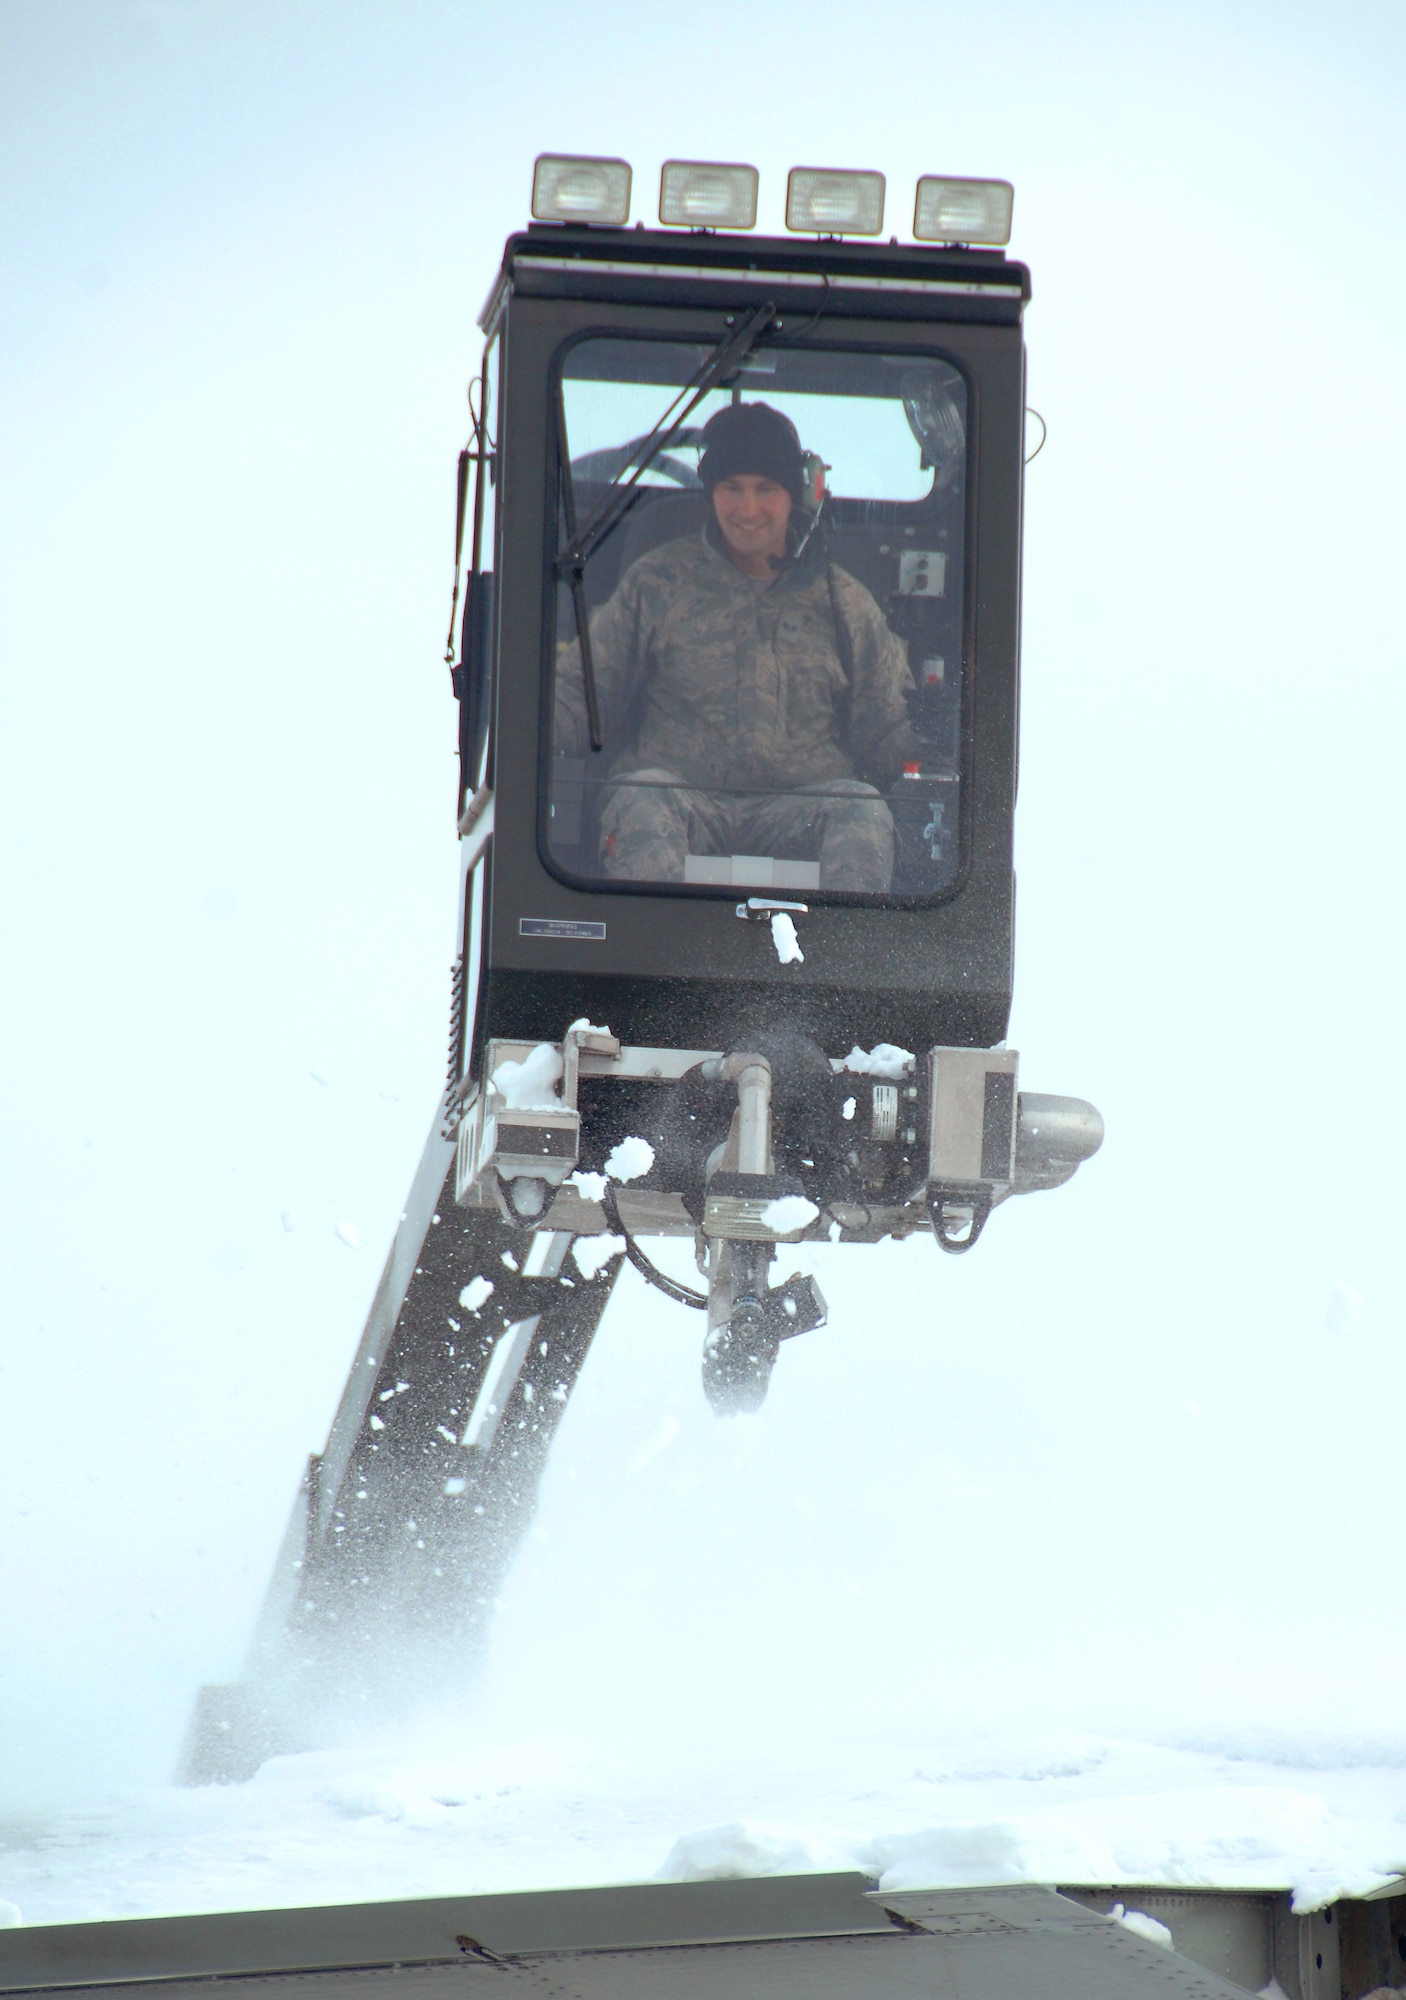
x,y
574,572
581,543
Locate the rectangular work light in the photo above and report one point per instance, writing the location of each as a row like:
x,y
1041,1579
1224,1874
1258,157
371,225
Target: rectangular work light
x,y
702,194
568,189
834,203
949,211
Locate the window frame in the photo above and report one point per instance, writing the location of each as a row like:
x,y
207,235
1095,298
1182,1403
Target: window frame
x,y
927,350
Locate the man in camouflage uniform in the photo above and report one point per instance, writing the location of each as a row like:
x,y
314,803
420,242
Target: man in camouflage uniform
x,y
761,696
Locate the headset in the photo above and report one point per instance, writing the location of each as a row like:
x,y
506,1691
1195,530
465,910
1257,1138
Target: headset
x,y
814,494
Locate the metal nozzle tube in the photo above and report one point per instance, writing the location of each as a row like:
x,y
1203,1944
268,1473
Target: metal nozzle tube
x,y
752,1075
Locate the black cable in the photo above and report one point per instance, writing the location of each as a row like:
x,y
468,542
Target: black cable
x,y
475,452
682,1295
806,326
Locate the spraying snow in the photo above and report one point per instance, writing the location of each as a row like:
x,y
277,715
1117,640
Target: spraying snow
x,y
530,1085
590,1187
630,1160
783,936
659,1440
789,1213
1345,1305
476,1293
885,1059
593,1253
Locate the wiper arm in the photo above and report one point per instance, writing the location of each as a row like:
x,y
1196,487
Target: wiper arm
x,y
726,356
582,543
575,571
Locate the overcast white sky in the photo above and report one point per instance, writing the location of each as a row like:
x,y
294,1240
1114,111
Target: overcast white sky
x,y
244,247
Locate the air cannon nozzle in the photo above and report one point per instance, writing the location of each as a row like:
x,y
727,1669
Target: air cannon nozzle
x,y
1054,1136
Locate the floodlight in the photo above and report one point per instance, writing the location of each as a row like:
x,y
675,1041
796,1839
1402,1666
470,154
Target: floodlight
x,y
567,189
703,194
950,211
834,203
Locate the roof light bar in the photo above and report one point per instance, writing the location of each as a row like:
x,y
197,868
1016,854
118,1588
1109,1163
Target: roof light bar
x,y
953,211
834,203
706,194
566,188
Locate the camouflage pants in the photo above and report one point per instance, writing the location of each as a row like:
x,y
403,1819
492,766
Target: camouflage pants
x,y
652,819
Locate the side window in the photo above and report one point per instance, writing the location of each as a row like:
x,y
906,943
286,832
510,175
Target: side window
x,y
772,627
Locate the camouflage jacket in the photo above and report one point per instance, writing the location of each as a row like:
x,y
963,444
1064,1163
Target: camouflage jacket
x,y
701,673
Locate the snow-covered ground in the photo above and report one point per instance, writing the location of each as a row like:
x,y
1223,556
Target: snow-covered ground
x,y
838,1634
448,1808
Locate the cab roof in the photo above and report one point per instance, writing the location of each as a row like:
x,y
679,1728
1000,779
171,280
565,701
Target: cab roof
x,y
657,266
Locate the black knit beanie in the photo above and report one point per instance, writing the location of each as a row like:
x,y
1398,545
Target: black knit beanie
x,y
754,438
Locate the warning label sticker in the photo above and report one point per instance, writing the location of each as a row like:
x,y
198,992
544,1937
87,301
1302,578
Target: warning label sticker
x,y
558,927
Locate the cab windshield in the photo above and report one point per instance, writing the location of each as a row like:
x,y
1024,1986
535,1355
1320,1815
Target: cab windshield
x,y
774,626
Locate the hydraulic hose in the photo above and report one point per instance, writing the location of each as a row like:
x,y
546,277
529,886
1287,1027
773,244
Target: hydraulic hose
x,y
682,1295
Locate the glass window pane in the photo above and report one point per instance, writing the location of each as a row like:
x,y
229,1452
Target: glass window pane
x,y
774,623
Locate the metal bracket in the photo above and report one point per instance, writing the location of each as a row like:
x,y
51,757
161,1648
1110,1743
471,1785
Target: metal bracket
x,y
1319,1971
581,1041
734,1206
959,1214
972,1111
